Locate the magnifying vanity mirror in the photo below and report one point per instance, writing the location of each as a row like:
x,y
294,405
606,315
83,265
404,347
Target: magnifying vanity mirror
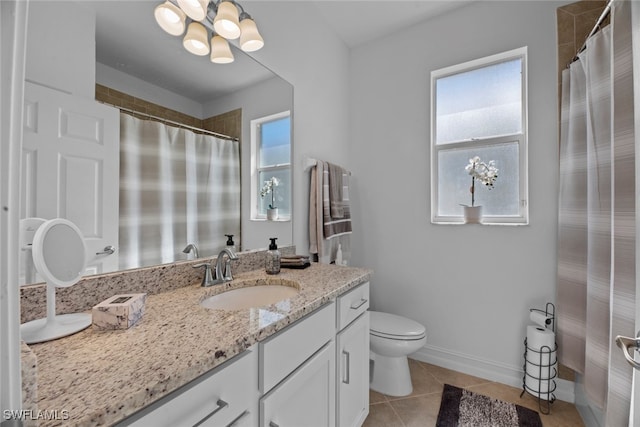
x,y
59,256
135,58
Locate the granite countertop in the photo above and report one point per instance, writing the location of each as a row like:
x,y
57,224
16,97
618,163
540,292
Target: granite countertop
x,y
100,377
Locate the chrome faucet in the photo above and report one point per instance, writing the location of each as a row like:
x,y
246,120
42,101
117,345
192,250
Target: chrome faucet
x,y
191,247
207,280
222,271
224,274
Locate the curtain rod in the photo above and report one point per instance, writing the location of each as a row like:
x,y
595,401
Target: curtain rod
x,y
603,16
171,122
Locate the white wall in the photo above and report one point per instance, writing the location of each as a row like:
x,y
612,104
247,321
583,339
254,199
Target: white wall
x,y
260,100
471,286
300,48
116,79
53,24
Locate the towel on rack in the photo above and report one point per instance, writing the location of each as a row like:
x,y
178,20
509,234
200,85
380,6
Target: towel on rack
x,y
335,225
335,190
324,225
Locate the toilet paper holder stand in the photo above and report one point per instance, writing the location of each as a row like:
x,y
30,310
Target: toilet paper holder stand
x,y
543,367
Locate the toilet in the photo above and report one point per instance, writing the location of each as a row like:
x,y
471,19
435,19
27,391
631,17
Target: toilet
x,y
392,339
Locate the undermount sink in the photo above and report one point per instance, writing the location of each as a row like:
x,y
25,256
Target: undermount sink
x,y
257,295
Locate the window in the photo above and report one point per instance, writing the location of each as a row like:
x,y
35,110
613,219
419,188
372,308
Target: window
x,y
479,109
271,158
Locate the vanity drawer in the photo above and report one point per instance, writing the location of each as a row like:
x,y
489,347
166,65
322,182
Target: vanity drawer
x,y
283,352
352,304
224,396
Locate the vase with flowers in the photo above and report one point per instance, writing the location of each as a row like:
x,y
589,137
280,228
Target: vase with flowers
x,y
270,187
486,173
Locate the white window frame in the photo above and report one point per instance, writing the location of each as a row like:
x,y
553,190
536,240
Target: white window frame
x,y
522,218
255,170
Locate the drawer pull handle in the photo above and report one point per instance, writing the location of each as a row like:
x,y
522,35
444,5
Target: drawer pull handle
x,y
221,405
272,424
347,369
234,422
357,306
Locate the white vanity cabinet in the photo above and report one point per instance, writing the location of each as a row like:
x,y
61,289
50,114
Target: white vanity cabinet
x,y
226,396
352,357
297,373
306,397
314,372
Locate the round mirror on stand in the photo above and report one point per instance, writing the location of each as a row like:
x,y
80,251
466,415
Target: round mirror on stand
x,y
59,256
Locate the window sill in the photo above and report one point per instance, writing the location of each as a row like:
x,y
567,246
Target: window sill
x,y
481,223
283,219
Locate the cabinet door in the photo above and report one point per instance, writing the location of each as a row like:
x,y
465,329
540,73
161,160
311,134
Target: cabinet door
x,y
352,360
306,398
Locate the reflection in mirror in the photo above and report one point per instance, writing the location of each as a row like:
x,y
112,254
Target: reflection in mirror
x,y
140,67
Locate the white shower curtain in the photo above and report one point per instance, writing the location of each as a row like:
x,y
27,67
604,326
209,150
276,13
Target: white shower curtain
x,y
176,187
596,241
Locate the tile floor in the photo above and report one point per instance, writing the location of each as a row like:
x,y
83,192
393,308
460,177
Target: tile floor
x,y
422,406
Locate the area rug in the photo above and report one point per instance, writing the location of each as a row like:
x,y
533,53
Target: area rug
x,y
463,408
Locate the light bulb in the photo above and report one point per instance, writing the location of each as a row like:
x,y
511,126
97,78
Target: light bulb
x,y
170,18
195,9
195,41
250,38
226,21
220,50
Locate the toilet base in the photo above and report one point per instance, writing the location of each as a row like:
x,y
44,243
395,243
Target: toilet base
x,y
391,376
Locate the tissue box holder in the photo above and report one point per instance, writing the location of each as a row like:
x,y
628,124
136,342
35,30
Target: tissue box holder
x,y
119,311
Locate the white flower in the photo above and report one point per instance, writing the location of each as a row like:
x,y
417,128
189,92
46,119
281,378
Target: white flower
x,y
269,187
487,173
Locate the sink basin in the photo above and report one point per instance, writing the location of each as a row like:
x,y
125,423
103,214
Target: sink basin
x,y
249,297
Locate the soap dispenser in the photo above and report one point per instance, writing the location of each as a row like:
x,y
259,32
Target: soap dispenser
x,y
272,264
230,243
339,255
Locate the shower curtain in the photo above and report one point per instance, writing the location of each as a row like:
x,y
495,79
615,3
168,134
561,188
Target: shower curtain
x,y
596,240
176,187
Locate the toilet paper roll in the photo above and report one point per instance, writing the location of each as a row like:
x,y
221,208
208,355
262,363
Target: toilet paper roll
x,y
541,362
541,349
541,346
538,337
540,318
543,389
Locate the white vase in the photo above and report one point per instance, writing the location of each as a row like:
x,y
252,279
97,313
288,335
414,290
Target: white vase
x,y
272,214
472,214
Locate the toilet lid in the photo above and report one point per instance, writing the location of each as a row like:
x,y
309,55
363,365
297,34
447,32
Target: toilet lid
x,y
395,327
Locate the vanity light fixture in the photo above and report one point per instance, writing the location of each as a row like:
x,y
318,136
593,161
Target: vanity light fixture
x,y
223,20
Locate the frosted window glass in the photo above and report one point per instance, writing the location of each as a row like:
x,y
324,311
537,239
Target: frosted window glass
x,y
282,199
275,142
480,103
454,182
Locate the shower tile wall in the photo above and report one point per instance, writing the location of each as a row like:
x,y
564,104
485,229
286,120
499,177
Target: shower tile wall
x,y
575,22
228,123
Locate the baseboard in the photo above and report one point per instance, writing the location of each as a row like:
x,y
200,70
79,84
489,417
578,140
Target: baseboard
x,y
487,369
591,415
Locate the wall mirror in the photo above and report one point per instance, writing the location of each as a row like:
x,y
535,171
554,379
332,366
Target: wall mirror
x,y
136,57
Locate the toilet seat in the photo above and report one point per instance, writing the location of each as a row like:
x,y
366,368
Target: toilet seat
x,y
390,326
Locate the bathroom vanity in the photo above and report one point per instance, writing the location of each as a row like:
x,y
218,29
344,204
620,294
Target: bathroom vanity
x,y
301,361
